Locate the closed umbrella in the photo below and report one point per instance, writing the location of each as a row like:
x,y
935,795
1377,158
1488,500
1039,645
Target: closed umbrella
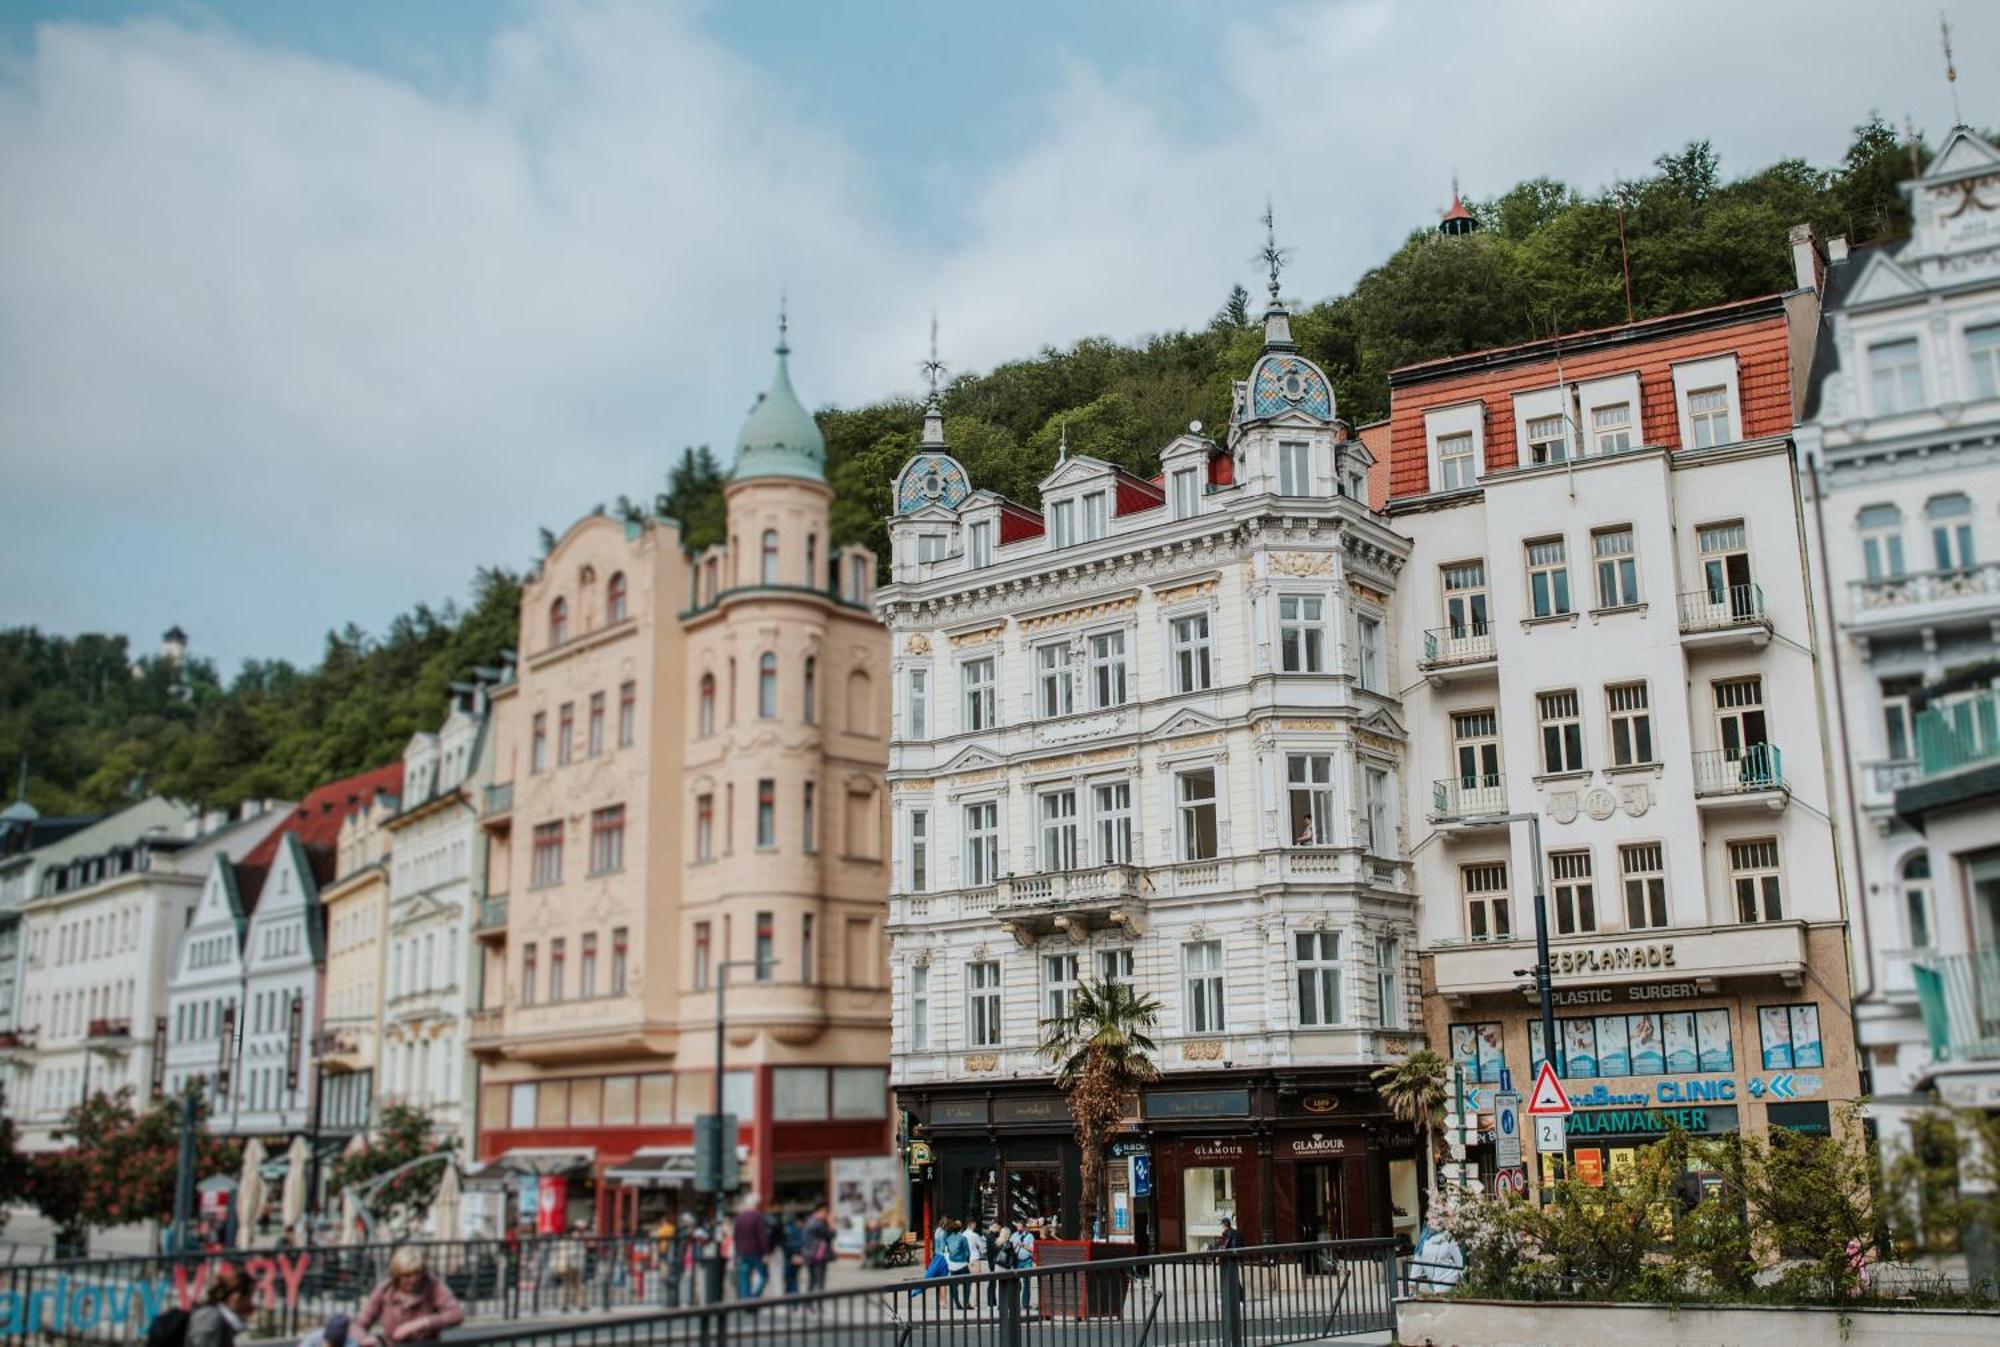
x,y
250,1193
351,1232
444,1207
293,1204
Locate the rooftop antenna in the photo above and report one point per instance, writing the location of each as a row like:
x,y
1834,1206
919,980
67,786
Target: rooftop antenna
x,y
1624,254
784,346
1273,257
1950,71
1062,449
933,368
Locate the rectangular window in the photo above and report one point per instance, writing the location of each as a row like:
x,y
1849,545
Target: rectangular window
x,y
1982,349
1058,810
628,714
1294,469
1562,732
1611,428
920,1007
1115,966
1631,724
1309,793
558,954
1488,905
982,1005
704,954
1725,566
1476,1050
1464,598
1475,737
538,752
1186,491
809,817
621,942
979,544
1375,811
981,697
1548,577
1790,1037
1191,664
566,734
808,956
1201,963
1318,954
1617,568
1708,416
1740,725
704,827
930,547
1062,523
920,851
586,968
982,843
1645,877
1196,796
1753,878
595,733
607,839
767,812
920,704
764,950
1455,461
1896,374
1950,518
1548,440
1388,1000
1301,636
1898,734
1368,643
1575,893
1111,808
547,859
1107,670
1881,542
1059,975
1095,516
1057,688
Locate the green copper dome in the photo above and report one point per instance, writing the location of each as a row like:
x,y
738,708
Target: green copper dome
x,y
780,438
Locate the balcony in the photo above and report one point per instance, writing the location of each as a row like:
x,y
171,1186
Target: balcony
x,y
1911,602
1958,755
1070,902
1704,955
1458,800
109,1033
16,1040
485,1028
498,801
1460,652
1754,778
1724,617
1960,998
492,917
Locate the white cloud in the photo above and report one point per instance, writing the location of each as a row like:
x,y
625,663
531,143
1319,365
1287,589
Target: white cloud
x,y
347,338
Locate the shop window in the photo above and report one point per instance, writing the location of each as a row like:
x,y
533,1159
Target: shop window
x,y
656,1099
860,1092
1669,1043
1475,1049
1789,1037
798,1093
1208,1197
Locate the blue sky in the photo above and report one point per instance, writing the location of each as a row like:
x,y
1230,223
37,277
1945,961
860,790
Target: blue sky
x,y
307,310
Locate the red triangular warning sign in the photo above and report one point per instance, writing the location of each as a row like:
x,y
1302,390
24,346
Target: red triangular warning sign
x,y
1547,1097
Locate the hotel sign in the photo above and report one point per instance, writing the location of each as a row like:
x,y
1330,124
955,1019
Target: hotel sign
x,y
1597,959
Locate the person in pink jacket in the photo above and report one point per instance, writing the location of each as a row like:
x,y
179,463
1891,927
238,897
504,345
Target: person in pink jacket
x,y
411,1306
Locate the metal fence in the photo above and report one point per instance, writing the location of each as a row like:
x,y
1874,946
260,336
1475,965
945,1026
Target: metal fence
x,y
1263,1296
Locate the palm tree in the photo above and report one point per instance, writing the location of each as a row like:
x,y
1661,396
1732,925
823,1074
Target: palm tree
x,y
1102,1053
1414,1091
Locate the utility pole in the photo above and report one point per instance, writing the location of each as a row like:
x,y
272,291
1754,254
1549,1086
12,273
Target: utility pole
x,y
184,1175
722,1138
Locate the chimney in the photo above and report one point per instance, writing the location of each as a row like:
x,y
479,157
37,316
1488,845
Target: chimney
x,y
213,820
1808,259
1836,249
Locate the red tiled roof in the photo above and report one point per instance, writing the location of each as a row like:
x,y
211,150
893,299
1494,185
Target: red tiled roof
x,y
1134,494
1375,438
1458,210
316,823
1018,522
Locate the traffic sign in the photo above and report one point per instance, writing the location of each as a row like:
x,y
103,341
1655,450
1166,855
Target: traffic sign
x,y
1548,1098
1551,1134
1508,1181
1506,1130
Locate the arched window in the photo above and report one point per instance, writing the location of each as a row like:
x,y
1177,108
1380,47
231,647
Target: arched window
x,y
812,690
559,621
860,703
769,575
705,715
1951,530
1917,900
767,686
614,598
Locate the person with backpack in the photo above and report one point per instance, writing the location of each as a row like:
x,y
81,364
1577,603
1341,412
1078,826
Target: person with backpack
x,y
224,1314
818,1250
1000,1257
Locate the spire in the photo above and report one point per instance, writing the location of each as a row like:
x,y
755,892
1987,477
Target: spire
x,y
780,438
784,326
934,370
1457,220
1950,71
1277,320
1062,446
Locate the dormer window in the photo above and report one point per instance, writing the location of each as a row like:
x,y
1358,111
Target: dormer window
x,y
1708,417
1548,441
1455,461
1185,492
1062,523
1294,467
1611,428
979,544
930,546
1095,516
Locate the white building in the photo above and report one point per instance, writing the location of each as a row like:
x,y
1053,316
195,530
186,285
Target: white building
x,y
435,867
1148,734
1608,627
100,933
1904,446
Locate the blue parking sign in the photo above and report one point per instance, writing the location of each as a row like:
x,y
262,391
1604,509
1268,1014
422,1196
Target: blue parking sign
x,y
1142,1175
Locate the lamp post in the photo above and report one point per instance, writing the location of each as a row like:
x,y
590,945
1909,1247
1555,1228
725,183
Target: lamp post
x,y
1551,1049
713,1280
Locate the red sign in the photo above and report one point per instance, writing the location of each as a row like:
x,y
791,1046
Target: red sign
x,y
1548,1097
1590,1165
552,1205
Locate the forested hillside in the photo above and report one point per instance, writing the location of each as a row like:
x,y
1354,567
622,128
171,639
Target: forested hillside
x,y
1546,259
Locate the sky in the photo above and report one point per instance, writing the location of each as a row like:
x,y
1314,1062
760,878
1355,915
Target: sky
x,y
307,310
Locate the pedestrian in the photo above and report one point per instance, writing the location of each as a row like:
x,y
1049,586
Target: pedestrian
x,y
818,1250
411,1304
1231,1237
957,1262
333,1333
225,1311
1439,1263
565,1267
976,1238
1000,1257
791,1251
750,1237
1024,1258
669,1239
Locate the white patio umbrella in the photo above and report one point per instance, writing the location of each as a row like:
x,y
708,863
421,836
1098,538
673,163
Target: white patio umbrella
x,y
250,1194
351,1232
444,1207
292,1207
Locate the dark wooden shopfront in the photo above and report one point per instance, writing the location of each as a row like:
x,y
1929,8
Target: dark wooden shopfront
x,y
1000,1155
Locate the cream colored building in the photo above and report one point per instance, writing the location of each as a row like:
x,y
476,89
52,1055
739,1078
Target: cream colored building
x,y
348,1046
687,770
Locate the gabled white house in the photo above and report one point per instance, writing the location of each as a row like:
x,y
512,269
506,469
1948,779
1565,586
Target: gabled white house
x,y
205,989
283,951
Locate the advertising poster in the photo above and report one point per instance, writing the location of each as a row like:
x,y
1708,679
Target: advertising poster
x,y
1579,1048
1590,1165
1774,1027
1678,1033
1806,1050
867,1195
1712,1028
1624,1164
552,1205
1648,1057
1614,1050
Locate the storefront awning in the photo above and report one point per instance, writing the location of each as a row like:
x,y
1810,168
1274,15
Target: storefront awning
x,y
655,1167
541,1160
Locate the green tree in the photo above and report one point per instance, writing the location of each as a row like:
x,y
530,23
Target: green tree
x,y
1414,1090
1103,1051
404,1135
119,1166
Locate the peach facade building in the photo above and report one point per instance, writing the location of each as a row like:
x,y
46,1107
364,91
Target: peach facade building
x,y
688,772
